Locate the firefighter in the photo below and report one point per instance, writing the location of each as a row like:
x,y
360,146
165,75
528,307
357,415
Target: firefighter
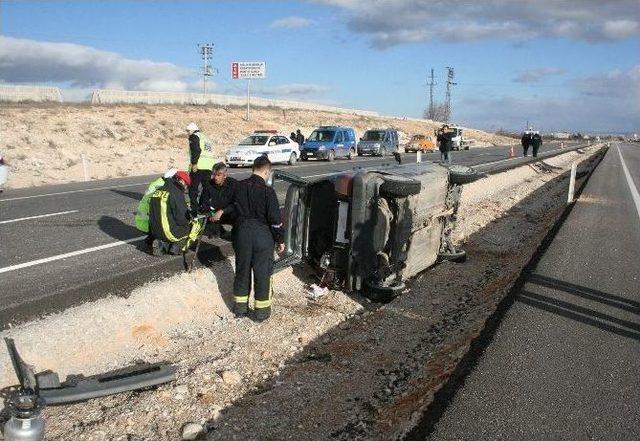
x,y
257,231
142,213
217,194
201,163
169,216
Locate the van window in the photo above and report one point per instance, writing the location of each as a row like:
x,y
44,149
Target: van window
x,y
321,135
339,137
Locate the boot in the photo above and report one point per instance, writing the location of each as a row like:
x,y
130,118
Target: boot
x,y
156,248
262,314
240,309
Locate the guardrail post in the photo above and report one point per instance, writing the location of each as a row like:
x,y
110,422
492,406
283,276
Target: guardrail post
x,y
419,156
84,167
572,183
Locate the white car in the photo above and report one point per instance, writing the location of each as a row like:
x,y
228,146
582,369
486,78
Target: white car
x,y
277,147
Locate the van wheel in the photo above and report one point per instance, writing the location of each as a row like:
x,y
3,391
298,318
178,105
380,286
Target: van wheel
x,y
292,158
351,154
331,156
233,165
399,187
458,256
460,175
382,293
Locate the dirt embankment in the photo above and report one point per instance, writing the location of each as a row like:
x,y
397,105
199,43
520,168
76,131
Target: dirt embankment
x,y
338,367
44,143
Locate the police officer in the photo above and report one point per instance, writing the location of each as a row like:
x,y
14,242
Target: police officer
x,y
525,141
257,231
201,162
536,143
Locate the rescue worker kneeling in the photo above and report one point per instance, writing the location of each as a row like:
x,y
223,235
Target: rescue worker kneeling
x,y
257,231
169,216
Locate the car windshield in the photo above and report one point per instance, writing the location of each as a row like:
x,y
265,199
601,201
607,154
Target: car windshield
x,y
418,137
255,140
373,135
321,135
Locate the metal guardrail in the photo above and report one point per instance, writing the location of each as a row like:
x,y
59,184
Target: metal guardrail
x,y
502,166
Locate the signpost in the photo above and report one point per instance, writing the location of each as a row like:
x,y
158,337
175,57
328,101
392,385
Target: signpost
x,y
248,70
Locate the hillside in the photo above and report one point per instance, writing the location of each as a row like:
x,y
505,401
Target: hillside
x,y
44,143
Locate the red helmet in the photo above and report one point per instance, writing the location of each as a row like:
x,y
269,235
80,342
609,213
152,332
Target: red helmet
x,y
183,176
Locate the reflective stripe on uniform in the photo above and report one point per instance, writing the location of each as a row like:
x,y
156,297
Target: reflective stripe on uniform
x,y
164,219
241,299
262,304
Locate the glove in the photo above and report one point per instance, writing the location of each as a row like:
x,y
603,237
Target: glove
x,y
194,168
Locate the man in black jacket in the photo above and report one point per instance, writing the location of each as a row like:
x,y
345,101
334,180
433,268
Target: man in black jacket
x,y
445,143
257,231
217,194
169,217
525,141
536,143
299,138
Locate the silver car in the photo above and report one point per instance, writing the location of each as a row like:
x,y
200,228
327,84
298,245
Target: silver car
x,y
378,142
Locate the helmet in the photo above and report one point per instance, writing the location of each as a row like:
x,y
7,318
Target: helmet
x,y
170,173
192,127
183,176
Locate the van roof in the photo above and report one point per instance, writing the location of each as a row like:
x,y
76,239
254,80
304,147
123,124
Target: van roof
x,y
336,127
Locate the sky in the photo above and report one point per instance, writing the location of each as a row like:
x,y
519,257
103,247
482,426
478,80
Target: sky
x,y
562,65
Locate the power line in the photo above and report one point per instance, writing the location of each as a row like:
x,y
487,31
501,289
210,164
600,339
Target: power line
x,y
206,51
431,83
447,110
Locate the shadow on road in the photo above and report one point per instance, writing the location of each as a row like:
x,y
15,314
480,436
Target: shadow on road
x,y
130,194
119,230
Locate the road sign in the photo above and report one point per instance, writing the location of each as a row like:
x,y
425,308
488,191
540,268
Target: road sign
x,y
248,70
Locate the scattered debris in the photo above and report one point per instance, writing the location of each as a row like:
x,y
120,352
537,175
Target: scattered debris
x,y
314,292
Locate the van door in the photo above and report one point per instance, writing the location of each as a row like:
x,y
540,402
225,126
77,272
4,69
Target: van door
x,y
294,216
339,143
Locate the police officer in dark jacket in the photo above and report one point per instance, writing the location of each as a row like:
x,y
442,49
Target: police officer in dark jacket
x,y
536,143
257,230
299,138
218,194
526,143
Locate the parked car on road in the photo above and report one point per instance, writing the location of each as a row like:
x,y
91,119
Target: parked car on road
x,y
277,146
420,143
369,229
330,142
379,142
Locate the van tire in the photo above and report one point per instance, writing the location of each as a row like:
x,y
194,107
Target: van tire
x,y
459,256
292,159
461,175
233,165
377,293
399,187
331,156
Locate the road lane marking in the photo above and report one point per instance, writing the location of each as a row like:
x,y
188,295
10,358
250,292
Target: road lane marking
x,y
7,269
70,192
632,186
60,213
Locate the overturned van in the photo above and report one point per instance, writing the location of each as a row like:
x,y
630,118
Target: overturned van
x,y
367,230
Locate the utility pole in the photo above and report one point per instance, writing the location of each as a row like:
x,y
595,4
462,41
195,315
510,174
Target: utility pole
x,y
206,51
431,113
447,110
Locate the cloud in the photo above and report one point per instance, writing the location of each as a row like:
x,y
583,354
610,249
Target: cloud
x,y
536,75
393,22
291,23
607,102
293,90
29,61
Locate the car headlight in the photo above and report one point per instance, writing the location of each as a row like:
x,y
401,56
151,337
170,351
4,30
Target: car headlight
x,y
322,147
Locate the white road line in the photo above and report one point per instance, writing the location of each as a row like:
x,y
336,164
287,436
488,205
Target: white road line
x,y
37,217
632,186
70,192
7,269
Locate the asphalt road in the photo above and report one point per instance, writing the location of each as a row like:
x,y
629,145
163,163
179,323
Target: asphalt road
x,y
564,363
64,244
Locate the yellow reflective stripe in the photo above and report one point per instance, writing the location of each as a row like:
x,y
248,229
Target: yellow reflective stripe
x,y
260,304
164,220
241,299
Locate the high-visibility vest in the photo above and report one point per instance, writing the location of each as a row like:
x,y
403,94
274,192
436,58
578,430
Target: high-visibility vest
x,y
142,213
206,160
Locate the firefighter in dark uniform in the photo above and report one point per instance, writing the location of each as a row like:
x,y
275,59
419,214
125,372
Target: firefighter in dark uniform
x,y
257,231
169,217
